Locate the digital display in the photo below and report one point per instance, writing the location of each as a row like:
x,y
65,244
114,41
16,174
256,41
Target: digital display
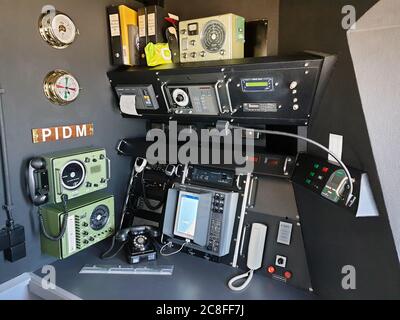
x,y
186,217
208,176
258,85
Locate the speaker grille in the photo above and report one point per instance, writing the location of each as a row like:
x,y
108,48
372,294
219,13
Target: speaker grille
x,y
213,36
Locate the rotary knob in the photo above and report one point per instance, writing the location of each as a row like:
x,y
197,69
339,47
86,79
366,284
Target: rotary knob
x,y
222,52
203,54
293,85
192,42
193,55
184,56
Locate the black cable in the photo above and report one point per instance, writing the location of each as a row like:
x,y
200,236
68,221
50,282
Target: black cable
x,y
105,256
65,213
146,200
6,171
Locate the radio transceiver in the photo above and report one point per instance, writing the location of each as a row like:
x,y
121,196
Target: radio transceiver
x,y
213,38
90,220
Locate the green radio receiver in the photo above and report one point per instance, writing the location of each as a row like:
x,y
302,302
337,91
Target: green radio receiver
x,y
71,174
90,219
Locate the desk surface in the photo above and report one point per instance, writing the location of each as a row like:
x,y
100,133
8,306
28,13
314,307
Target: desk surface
x,y
193,279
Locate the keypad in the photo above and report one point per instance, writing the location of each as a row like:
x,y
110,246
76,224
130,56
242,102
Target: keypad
x,y
218,207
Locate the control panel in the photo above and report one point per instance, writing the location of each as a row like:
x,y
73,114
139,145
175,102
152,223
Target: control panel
x,y
326,179
76,173
274,205
211,177
218,208
193,100
90,220
267,90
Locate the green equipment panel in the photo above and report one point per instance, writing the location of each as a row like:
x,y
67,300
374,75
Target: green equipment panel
x,y
91,219
77,173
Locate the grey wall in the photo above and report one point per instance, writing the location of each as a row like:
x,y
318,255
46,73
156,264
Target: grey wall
x,y
380,28
251,10
25,59
316,25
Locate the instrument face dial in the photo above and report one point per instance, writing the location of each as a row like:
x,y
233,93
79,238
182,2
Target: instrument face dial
x,y
64,29
67,88
73,175
61,88
57,29
99,218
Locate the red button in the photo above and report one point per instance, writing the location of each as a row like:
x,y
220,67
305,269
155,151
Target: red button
x,y
271,269
287,275
325,170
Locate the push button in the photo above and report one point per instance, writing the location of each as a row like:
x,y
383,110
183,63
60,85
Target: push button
x,y
325,170
316,166
308,181
312,174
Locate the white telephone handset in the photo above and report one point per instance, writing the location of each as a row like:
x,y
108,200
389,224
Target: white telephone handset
x,y
254,256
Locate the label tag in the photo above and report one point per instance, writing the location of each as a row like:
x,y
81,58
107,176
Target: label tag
x,y
114,25
71,234
285,233
142,26
151,20
53,134
336,146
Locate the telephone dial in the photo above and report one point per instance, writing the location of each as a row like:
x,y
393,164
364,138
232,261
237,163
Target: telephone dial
x,y
140,243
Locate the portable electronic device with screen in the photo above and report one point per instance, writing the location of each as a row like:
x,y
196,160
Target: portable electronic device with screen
x,y
186,217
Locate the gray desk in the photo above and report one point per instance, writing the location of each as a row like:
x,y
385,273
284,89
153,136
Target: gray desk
x,y
193,279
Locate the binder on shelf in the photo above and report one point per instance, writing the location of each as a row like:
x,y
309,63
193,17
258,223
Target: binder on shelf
x,y
152,27
115,35
128,18
156,24
142,22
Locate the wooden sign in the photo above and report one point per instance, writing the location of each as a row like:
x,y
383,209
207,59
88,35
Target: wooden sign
x,y
44,135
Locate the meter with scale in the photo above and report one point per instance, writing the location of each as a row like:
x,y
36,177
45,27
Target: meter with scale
x,y
61,88
57,29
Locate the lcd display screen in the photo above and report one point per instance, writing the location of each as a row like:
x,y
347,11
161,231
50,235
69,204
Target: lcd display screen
x,y
258,85
186,217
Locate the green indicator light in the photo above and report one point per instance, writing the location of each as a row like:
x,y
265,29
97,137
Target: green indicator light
x,y
316,166
312,174
308,181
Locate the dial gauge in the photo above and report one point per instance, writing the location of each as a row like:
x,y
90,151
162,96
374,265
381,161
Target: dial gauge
x,y
61,88
57,29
